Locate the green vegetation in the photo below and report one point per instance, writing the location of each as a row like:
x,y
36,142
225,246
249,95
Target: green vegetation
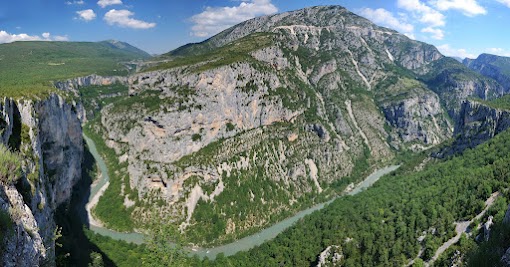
x,y
5,226
29,67
490,253
237,51
94,98
80,246
446,74
289,98
385,221
230,126
498,103
196,137
110,209
10,166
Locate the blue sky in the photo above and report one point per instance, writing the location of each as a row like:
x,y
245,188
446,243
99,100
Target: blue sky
x,y
463,28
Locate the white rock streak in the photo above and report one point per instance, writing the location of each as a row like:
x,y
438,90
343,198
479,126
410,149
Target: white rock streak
x,y
353,119
355,63
313,173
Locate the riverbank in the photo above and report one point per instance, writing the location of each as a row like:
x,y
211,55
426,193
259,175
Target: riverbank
x,y
243,244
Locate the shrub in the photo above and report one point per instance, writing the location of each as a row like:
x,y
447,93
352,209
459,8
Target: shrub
x,y
10,166
5,224
230,126
196,137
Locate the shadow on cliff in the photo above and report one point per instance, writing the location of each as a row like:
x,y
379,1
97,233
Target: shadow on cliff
x,y
74,246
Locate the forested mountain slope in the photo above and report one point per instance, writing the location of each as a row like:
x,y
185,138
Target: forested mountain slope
x,y
214,141
233,134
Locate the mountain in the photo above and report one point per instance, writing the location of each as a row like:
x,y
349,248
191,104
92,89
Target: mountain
x,y
492,66
136,52
271,116
214,141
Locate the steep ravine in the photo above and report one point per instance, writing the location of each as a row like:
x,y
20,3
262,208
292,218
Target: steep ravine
x,y
47,135
243,244
477,123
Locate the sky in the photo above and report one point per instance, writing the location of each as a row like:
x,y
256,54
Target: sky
x,y
462,28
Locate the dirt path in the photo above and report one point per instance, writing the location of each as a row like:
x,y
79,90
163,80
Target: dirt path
x,y
461,227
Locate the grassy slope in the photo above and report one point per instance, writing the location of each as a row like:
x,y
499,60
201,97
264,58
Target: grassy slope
x,y
236,51
28,67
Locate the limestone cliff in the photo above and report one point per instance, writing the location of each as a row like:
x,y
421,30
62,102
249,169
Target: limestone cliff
x,y
270,114
47,135
495,67
477,123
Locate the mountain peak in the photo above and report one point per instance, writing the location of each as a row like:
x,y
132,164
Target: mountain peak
x,y
333,18
125,47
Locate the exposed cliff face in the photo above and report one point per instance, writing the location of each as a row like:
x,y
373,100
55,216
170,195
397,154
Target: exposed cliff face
x,y
72,85
454,83
419,119
301,99
478,123
492,66
47,135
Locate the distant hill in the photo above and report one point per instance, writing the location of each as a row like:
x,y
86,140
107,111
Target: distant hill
x,y
28,67
492,66
126,47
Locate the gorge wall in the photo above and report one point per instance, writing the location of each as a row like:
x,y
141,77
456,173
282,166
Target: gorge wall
x,y
47,136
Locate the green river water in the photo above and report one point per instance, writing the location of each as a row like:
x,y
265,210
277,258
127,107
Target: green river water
x,y
236,246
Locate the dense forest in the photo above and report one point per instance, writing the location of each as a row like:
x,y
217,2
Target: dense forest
x,y
379,227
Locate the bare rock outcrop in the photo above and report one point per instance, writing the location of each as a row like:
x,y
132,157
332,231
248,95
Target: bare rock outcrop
x,y
47,136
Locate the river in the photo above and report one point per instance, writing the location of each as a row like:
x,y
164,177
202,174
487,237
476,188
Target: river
x,y
243,244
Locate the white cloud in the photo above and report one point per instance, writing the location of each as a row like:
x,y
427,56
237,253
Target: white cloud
x,y
425,14
86,15
6,37
437,34
385,18
505,2
215,19
452,52
467,7
123,18
80,2
105,3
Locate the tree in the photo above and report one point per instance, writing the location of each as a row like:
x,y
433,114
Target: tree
x,y
97,260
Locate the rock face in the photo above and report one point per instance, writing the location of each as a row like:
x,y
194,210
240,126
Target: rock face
x,y
455,83
331,256
478,123
73,84
495,67
505,259
418,118
320,84
487,228
47,135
